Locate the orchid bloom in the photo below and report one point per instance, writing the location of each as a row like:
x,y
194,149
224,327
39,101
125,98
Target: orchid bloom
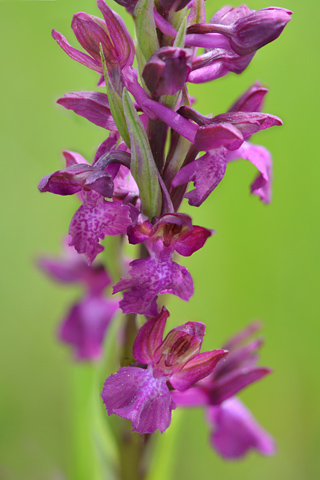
x,y
158,273
233,429
142,393
224,138
96,217
92,31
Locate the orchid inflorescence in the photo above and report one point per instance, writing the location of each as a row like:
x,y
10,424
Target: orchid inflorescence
x,y
157,146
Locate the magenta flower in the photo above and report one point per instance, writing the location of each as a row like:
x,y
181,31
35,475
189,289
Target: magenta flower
x,y
78,177
158,274
92,31
86,323
223,138
167,70
234,431
231,39
72,268
247,30
141,393
94,106
96,217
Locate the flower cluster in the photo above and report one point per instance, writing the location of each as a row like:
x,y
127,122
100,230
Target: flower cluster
x,y
158,145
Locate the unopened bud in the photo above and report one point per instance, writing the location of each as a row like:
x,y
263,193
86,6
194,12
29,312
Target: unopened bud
x,y
167,70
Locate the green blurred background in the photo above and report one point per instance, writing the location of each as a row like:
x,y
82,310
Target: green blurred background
x,y
262,263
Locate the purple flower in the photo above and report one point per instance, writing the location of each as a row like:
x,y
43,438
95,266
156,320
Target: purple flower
x,y
158,274
227,130
96,217
78,177
217,60
141,393
234,431
72,268
86,323
94,106
92,31
248,30
253,31
205,172
251,100
223,137
167,70
231,39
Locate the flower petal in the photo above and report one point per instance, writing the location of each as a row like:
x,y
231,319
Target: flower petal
x,y
205,172
94,106
146,279
91,32
86,325
76,54
193,242
235,381
73,158
235,431
134,393
177,122
119,34
193,397
67,181
76,270
149,337
251,100
216,135
95,219
260,157
196,369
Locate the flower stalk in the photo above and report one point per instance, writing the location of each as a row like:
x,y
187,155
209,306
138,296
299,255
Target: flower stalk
x,y
156,147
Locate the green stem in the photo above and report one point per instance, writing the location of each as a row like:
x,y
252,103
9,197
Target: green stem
x,y
133,451
130,333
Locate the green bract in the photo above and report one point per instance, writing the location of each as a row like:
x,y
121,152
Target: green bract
x,y
115,103
145,28
143,167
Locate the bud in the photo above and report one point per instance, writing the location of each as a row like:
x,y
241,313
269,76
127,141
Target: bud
x,y
91,32
248,30
167,70
258,28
